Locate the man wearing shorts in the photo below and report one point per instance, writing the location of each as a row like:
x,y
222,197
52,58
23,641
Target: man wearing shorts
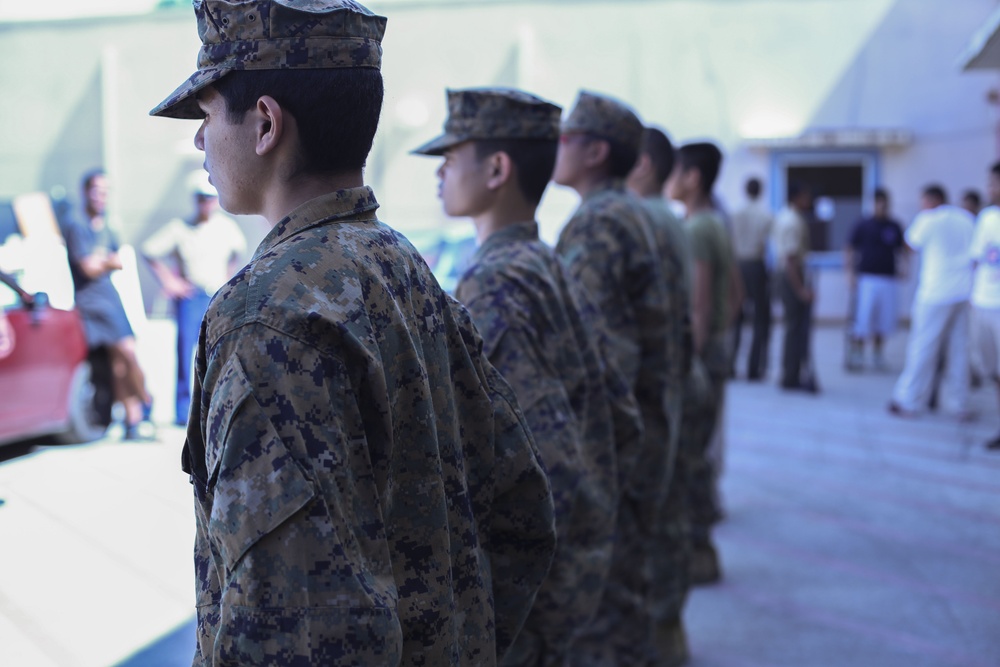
x,y
985,253
871,263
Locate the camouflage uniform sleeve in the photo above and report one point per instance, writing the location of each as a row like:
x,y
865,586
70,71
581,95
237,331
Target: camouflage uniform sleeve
x,y
522,534
291,557
568,596
625,412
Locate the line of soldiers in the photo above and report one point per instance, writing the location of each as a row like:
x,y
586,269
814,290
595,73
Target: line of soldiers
x,y
384,475
584,330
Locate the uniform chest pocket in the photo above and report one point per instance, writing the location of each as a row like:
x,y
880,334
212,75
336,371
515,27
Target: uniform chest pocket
x,y
255,483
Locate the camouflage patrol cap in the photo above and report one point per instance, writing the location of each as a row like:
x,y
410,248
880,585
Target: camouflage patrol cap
x,y
494,113
276,34
604,117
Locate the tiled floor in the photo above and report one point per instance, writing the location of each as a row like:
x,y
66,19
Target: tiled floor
x,y
852,538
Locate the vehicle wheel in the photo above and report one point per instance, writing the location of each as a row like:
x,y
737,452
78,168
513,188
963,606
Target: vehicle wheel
x,y
89,407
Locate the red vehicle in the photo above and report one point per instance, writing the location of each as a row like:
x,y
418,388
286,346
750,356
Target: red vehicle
x,y
49,384
46,382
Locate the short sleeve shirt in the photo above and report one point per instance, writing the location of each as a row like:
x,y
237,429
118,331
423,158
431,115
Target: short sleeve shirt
x,y
204,250
985,251
876,242
790,236
943,236
709,243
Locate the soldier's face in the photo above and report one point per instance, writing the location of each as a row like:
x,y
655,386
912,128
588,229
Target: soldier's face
x,y
462,182
570,158
229,154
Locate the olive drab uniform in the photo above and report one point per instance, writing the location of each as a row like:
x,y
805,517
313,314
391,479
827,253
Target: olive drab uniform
x,y
367,492
609,247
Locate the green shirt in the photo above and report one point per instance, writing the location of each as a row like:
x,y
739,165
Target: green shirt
x,y
709,243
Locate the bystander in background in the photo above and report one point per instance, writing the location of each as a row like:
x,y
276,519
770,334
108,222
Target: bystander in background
x,y
92,248
192,259
751,229
871,262
942,233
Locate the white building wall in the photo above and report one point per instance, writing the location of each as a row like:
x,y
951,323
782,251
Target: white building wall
x,y
718,69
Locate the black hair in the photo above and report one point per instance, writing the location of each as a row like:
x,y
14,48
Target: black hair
x,y
796,188
621,158
935,191
657,146
88,178
972,197
995,169
534,160
753,187
706,158
336,110
881,194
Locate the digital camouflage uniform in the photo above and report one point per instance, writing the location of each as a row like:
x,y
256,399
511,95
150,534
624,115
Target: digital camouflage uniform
x,y
366,490
609,246
671,553
537,330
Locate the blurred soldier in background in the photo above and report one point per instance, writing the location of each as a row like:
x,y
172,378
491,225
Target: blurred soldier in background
x,y
671,552
715,296
366,489
609,246
499,147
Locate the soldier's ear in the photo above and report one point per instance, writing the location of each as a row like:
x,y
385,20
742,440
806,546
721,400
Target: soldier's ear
x,y
269,124
597,152
501,170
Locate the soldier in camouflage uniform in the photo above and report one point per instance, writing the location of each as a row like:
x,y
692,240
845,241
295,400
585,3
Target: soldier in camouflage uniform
x,y
367,492
715,292
672,552
610,247
499,147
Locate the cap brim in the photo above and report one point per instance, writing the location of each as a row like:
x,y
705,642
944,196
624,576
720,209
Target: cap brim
x,y
182,102
439,145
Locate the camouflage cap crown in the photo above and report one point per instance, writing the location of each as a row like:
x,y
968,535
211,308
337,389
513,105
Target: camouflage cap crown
x,y
494,113
604,117
276,34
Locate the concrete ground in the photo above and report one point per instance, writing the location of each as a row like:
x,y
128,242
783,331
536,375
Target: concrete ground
x,y
851,538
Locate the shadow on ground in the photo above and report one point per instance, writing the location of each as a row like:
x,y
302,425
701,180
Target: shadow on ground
x,y
174,649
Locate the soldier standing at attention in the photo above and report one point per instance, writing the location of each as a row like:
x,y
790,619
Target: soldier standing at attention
x,y
715,295
499,147
672,552
367,492
609,246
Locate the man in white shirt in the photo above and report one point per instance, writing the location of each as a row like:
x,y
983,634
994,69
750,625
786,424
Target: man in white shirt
x,y
791,246
192,259
985,253
941,233
751,228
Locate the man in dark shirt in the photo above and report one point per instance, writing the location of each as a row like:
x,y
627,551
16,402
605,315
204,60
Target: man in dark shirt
x,y
871,265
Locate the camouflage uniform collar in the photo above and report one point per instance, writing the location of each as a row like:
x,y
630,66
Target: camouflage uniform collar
x,y
610,185
519,231
352,204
